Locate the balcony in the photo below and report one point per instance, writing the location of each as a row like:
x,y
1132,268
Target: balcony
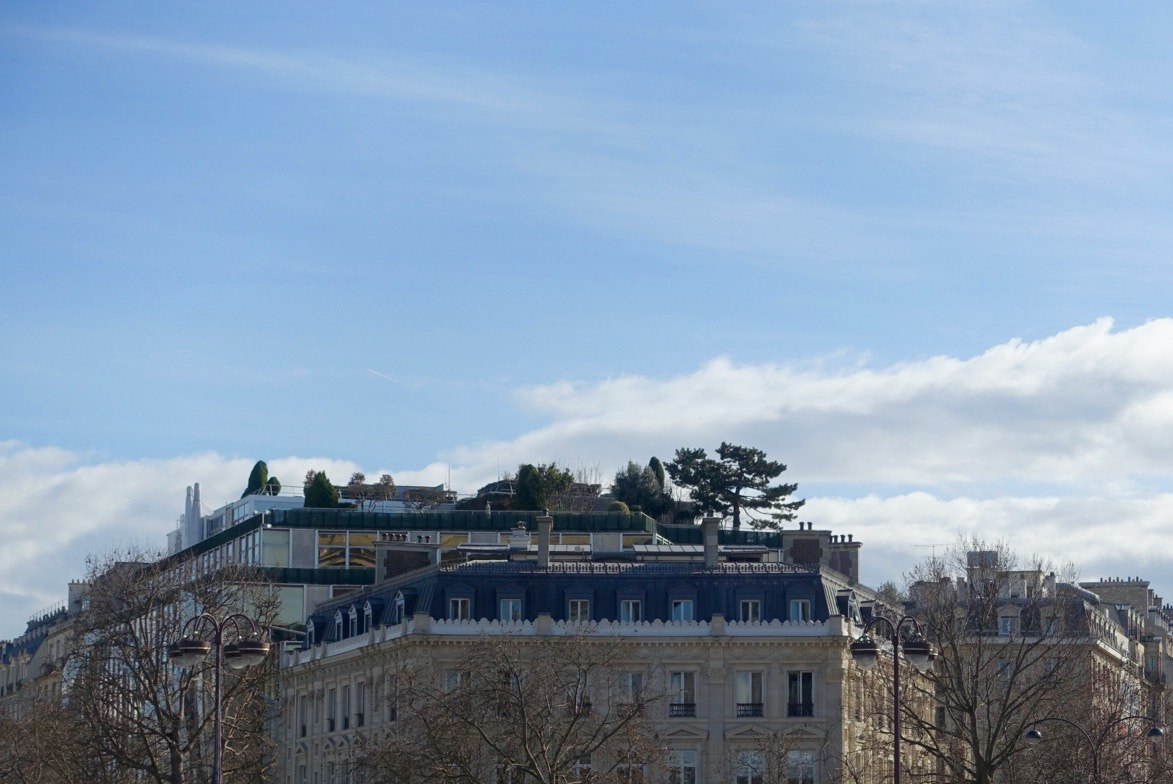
x,y
677,710
746,710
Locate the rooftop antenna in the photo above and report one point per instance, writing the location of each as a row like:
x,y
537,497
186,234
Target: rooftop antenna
x,y
934,546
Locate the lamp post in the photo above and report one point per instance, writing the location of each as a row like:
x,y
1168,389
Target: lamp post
x,y
1033,736
237,653
916,649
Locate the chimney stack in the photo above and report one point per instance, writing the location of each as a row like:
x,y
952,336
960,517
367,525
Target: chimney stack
x,y
709,527
545,526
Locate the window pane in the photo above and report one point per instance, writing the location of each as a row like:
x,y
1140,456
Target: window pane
x,y
331,548
275,548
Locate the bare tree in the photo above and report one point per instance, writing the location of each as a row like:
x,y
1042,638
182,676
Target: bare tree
x,y
142,714
422,499
46,744
550,710
1014,644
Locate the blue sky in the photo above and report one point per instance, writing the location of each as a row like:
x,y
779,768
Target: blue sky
x,y
917,251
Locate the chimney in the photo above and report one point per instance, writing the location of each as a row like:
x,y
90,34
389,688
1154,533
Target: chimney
x,y
709,527
545,525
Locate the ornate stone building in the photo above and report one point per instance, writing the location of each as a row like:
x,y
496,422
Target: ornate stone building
x,y
748,650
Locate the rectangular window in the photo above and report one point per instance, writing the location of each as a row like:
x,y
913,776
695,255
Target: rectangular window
x,y
682,767
630,773
582,767
800,609
750,610
346,707
749,694
1006,626
361,552
682,694
510,610
360,704
800,694
331,548
629,687
578,610
392,698
459,609
303,712
331,710
682,609
800,767
454,679
751,767
631,610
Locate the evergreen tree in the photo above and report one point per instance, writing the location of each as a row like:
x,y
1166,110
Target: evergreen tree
x,y
536,485
257,478
657,469
320,492
640,486
738,480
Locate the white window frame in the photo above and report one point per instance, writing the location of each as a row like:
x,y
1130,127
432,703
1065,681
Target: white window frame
x,y
459,608
629,686
583,766
683,766
805,693
631,773
682,693
800,610
510,609
750,688
683,610
631,610
750,767
749,610
578,610
800,767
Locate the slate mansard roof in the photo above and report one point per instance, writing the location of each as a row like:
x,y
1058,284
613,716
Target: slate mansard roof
x,y
549,589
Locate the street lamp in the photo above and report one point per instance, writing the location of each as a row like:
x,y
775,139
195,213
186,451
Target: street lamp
x,y
1033,736
238,653
916,649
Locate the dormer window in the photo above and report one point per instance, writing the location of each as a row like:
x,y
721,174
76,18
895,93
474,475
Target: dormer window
x,y
367,616
353,621
338,624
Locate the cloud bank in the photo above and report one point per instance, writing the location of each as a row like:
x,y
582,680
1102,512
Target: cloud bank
x,y
1057,445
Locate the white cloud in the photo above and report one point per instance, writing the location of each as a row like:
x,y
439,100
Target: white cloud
x,y
1056,445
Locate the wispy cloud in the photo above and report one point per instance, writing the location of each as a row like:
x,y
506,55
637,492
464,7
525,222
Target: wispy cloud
x,y
1002,85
